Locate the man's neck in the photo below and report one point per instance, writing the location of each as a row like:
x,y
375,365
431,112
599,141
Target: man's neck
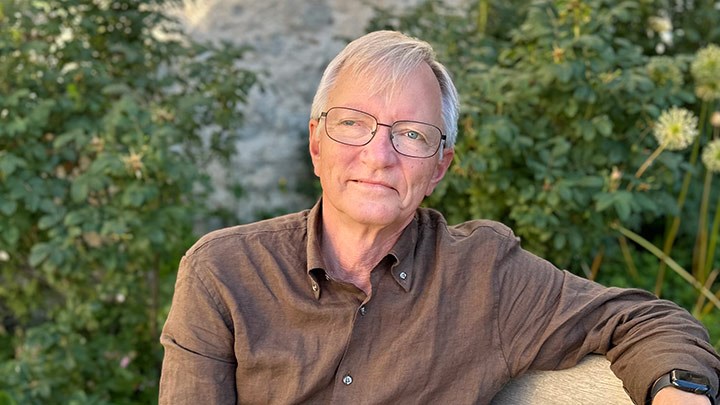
x,y
352,253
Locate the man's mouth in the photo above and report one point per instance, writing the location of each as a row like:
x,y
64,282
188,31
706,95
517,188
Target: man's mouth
x,y
373,183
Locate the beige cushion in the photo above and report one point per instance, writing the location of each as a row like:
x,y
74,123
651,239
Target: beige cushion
x,y
589,382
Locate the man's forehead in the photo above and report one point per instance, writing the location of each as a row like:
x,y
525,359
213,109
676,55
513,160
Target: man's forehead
x,y
388,82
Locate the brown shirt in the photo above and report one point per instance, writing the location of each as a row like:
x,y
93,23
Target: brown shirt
x,y
455,312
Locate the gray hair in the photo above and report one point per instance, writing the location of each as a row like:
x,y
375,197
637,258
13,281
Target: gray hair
x,y
391,56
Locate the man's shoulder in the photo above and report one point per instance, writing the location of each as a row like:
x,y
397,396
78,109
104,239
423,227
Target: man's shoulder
x,y
277,229
472,228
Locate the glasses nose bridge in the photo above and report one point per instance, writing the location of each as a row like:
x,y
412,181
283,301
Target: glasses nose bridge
x,y
389,134
380,124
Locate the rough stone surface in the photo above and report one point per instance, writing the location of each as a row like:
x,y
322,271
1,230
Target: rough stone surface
x,y
293,41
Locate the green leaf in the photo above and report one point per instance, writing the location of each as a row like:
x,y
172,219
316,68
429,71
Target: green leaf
x,y
11,235
106,163
8,207
40,114
75,135
652,110
571,108
137,195
157,236
644,202
604,201
561,148
115,89
50,220
14,99
79,189
623,202
74,218
564,192
39,253
9,163
73,92
5,398
590,181
584,93
564,72
622,207
603,125
17,127
553,199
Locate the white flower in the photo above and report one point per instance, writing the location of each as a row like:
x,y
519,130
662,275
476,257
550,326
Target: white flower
x,y
664,70
705,70
660,24
4,256
711,156
676,128
133,162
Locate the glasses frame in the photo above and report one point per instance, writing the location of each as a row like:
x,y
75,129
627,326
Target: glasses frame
x,y
443,137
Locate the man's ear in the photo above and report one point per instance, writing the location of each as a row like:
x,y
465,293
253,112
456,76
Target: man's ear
x,y
441,167
314,144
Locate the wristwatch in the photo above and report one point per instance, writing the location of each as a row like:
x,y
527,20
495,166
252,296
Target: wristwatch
x,y
683,380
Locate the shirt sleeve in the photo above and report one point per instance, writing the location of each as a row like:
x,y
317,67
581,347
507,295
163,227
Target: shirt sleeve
x,y
199,363
549,319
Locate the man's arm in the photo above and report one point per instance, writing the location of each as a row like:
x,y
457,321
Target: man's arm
x,y
199,363
564,317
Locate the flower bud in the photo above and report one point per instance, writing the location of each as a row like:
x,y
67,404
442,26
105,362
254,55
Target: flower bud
x,y
715,119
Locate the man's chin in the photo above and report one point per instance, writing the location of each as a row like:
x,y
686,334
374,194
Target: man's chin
x,y
375,214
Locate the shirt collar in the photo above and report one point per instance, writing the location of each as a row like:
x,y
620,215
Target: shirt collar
x,y
403,252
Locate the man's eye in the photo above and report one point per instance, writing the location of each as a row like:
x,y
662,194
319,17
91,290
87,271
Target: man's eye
x,y
415,135
348,123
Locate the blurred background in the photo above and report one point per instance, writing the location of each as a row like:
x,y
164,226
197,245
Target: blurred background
x,y
129,128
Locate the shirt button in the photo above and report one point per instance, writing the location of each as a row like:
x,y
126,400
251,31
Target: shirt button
x,y
363,310
403,275
347,380
315,287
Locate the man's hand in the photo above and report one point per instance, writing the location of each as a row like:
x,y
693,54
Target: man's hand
x,y
674,396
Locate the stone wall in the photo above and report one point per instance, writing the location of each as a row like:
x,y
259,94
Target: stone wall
x,y
293,41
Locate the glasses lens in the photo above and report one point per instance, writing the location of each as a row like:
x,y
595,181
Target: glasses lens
x,y
349,126
416,138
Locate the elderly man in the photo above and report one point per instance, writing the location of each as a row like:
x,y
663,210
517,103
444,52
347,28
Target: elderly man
x,y
367,298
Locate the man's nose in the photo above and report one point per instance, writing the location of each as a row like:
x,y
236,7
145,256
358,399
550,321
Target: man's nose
x,y
379,133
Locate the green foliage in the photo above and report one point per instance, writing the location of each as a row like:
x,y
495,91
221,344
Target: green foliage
x,y
559,99
108,112
557,103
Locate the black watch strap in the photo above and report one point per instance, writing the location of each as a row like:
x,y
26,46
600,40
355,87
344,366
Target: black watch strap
x,y
685,381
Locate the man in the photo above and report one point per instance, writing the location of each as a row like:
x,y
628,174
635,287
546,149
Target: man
x,y
367,298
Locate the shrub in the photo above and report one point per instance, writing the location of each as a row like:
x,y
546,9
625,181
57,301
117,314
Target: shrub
x,y
108,113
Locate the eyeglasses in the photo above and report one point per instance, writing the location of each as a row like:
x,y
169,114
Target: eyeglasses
x,y
357,128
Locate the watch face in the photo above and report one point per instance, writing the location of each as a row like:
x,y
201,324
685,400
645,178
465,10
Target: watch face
x,y
690,382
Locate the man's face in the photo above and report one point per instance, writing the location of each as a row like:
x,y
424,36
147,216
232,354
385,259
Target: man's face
x,y
373,185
